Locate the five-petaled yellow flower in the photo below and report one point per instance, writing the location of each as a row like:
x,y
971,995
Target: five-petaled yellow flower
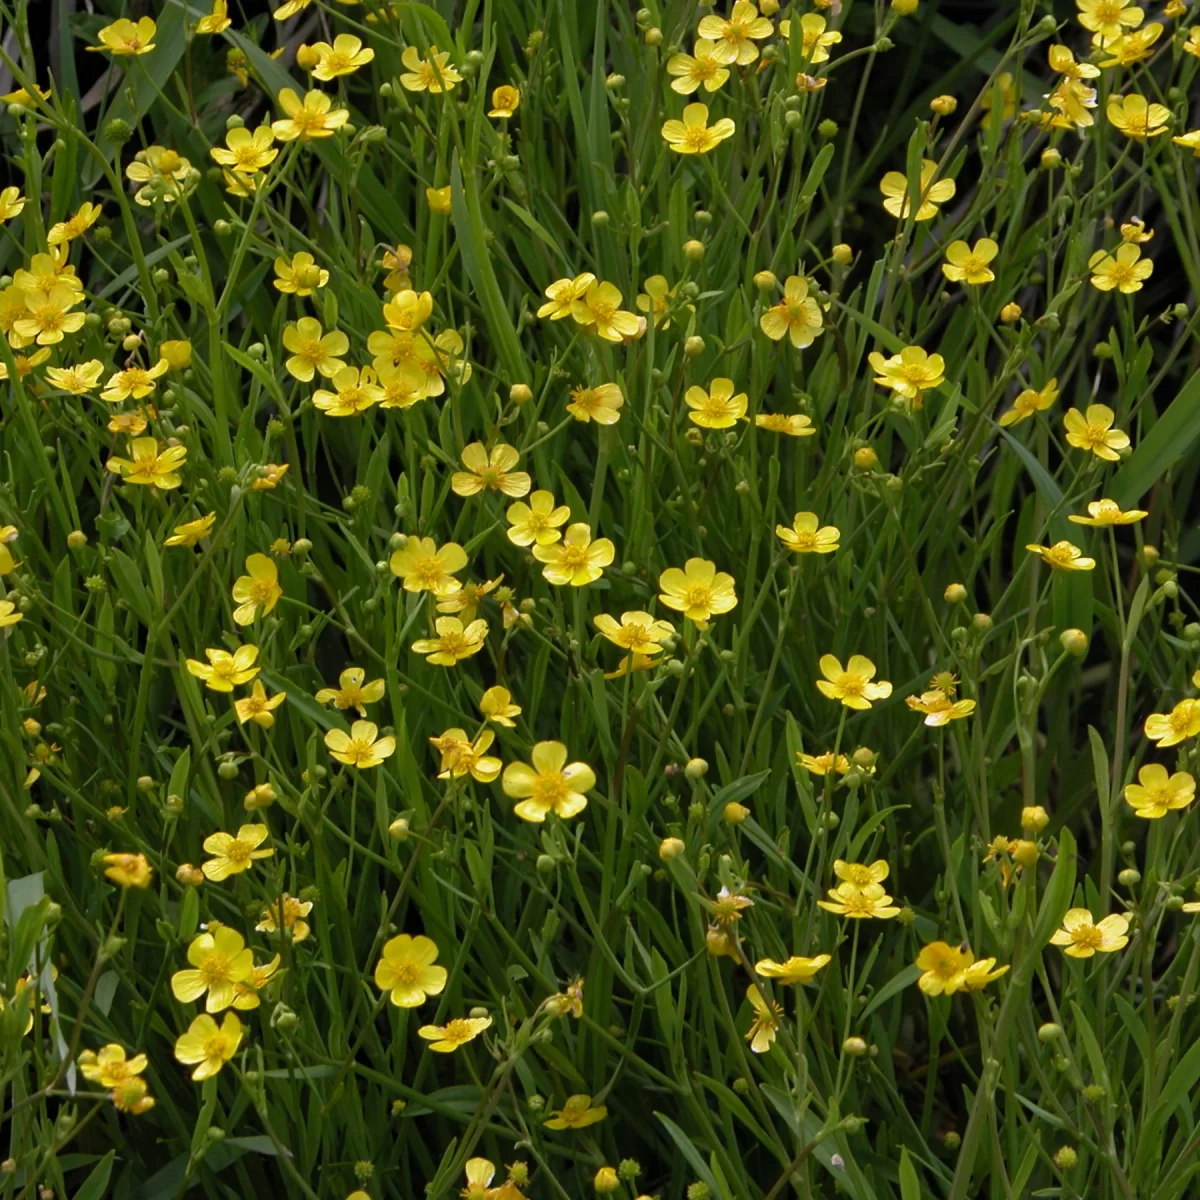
x,y
434,74
497,706
562,294
699,591
931,194
1062,556
577,560
313,350
344,57
233,855
938,708
421,566
257,592
550,785
768,1015
718,408
1125,270
704,67
797,316
207,1046
736,34
637,632
352,692
490,470
1029,402
407,970
258,706
948,969
577,1113
505,100
126,38
794,970
815,41
109,1065
853,684
538,521
1094,431
965,264
599,309
1108,512
128,870
445,1039
1107,20
1136,117
804,536
219,958
453,642
299,275
461,757
354,391
601,403
694,135
224,670
312,117
246,151
1080,937
362,747
909,374
1181,723
859,903
1156,793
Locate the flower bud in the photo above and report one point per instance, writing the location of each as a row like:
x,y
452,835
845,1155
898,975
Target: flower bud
x,y
696,768
606,1181
982,622
398,829
693,346
865,458
1074,642
1065,1158
189,876
259,797
670,848
855,1046
765,281
955,593
735,813
1025,853
842,254
1010,314
904,8
693,250
520,393
1049,1032
943,105
1034,818
951,1140
1130,877
77,539
600,218
827,129
1051,158
653,36
545,864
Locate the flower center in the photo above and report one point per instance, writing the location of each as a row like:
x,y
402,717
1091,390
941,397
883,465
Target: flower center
x,y
406,973
337,61
428,572
696,136
1088,935
852,686
453,643
699,596
238,851
1058,557
1120,273
574,556
549,790
214,969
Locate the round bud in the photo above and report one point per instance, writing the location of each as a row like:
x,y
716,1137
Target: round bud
x,y
982,622
1102,351
1034,818
696,768
520,393
654,36
1074,642
904,8
77,539
827,129
545,864
1025,853
1010,314
865,458
1065,1157
1130,877
842,254
222,228
1049,1032
693,250
398,829
943,105
765,281
600,218
615,82
1051,159
670,848
693,346
855,1046
606,1181
735,813
955,593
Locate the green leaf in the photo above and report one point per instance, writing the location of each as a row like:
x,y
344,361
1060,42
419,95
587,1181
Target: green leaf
x,y
1168,440
910,1183
96,1184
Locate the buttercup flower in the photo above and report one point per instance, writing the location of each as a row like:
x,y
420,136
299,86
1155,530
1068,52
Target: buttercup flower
x,y
577,560
718,408
852,685
362,747
1133,47
300,276
224,670
9,615
257,592
80,380
11,203
822,764
599,309
932,195
505,100
693,135
1156,793
705,66
453,643
434,75
1063,556
126,39
217,20
344,57
577,1113
208,1046
857,903
406,971
1093,431
133,383
128,870
270,476
637,632
246,152
736,34
312,117
601,404
1029,402
938,708
1108,512
1136,117
354,392
490,471
768,1014
699,591
562,294
804,536
1125,270
245,993
422,567
551,784
793,424
190,532
312,350
1181,723
233,855
289,914
351,692
910,373
497,706
796,969
219,960
815,40
149,466
1107,20
109,1067
258,706
948,970
966,265
445,1039
1081,938
48,317
460,756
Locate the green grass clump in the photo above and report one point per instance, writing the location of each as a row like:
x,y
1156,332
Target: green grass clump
x,y
547,644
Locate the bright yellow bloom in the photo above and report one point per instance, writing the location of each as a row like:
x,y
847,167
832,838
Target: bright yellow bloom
x,y
406,971
79,380
490,471
699,591
403,384
128,870
133,383
768,1015
148,466
217,21
8,533
224,670
805,538
312,350
1062,60
1093,431
312,117
126,39
601,403
453,643
176,354
422,567
289,914
86,216
439,200
190,532
822,764
351,692
848,900
258,706
344,57
796,969
736,34
1073,102
207,1046
793,424
258,590
562,294
354,392
1108,512
132,1096
408,310
219,959
637,632
704,66
1136,117
164,175
1191,44
246,152
109,1067
434,74
693,135
938,708
497,706
48,316
910,373
233,855
1062,556
505,100
289,9
718,408
460,756
1156,793
657,299
1029,402
1107,20
11,204
600,310
852,685
815,41
1124,270
1181,723
966,265
537,521
300,276
577,560
245,992
9,615
894,187
1081,938
577,1113
551,784
362,747
1133,47
445,1039
948,970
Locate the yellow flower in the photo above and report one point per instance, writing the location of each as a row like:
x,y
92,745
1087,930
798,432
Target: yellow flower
x,y
796,969
793,424
109,1067
1134,230
207,1046
699,591
246,152
1062,61
258,590
1108,512
351,692
344,57
434,75
422,567
312,117
300,277
577,1113
948,970
445,1039
966,265
406,971
1135,117
271,474
312,350
164,175
1028,402
190,532
805,538
1063,556
11,203
1073,101
657,299
8,533
704,66
453,643
562,294
258,706
1133,47
148,466
577,560
938,708
601,403
551,784
439,200
768,1015
128,870
693,135
1181,723
490,471
894,187
638,632
1107,20
852,685
224,670
403,384
132,423
219,959
505,100
48,316
289,914
217,20
290,8
736,34
233,855
857,903
133,383
1155,794
124,38
599,309
1192,43
1093,431
8,614
466,600
245,993
362,747
86,216
537,521
460,756
1125,270
497,706
861,874
815,41
396,261
797,316
718,408
1081,938
79,380
822,764
354,392
910,373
